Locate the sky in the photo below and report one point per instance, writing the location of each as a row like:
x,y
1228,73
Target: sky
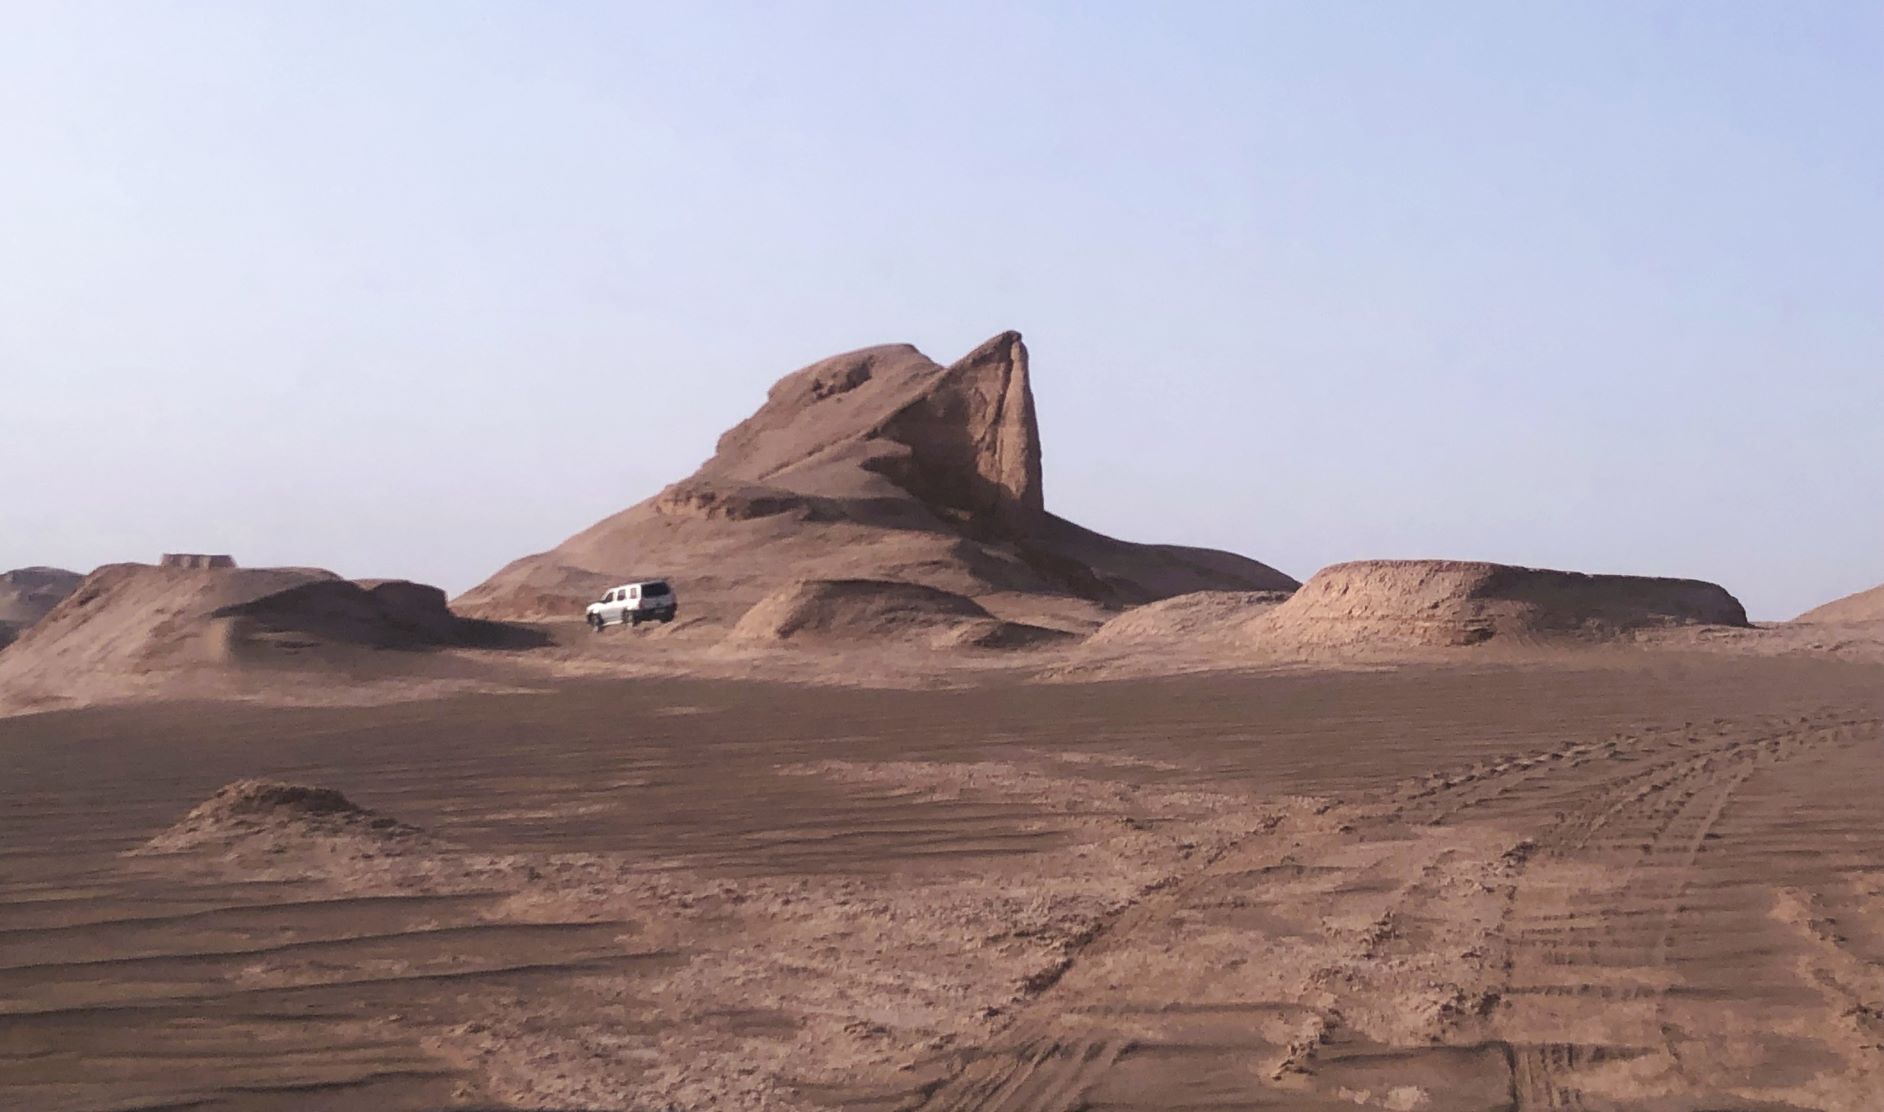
x,y
413,289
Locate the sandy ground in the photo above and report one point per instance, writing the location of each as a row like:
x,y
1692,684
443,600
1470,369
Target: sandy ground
x,y
1651,886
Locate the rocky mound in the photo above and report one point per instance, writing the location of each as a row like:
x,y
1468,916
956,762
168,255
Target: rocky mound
x,y
878,464
1446,603
866,611
269,816
382,613
1865,606
1199,616
131,629
29,594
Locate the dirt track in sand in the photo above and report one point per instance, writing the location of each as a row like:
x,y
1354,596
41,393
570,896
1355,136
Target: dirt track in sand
x,y
1647,887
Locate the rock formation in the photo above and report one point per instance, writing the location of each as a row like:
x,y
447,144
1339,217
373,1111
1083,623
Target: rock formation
x,y
29,594
1450,603
877,464
133,629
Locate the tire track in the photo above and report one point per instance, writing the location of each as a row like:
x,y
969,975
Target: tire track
x,y
1634,814
1650,827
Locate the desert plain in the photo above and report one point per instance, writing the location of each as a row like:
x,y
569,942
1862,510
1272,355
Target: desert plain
x,y
929,799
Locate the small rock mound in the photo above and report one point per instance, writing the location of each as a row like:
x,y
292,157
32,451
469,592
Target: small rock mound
x,y
271,815
382,613
1451,603
1865,606
998,634
1198,616
835,612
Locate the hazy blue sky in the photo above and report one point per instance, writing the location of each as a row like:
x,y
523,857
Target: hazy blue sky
x,y
1595,286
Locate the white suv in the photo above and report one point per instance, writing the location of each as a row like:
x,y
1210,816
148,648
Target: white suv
x,y
630,604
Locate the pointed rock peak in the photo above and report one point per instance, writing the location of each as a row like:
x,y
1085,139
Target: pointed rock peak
x,y
970,444
1001,347
998,411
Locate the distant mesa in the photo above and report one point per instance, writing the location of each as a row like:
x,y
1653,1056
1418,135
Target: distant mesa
x,y
863,611
876,465
29,594
1865,606
1455,603
195,560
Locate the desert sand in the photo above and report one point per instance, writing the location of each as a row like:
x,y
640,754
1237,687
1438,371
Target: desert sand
x,y
1643,886
932,800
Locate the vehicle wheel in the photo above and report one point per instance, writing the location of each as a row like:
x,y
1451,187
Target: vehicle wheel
x,y
666,618
634,620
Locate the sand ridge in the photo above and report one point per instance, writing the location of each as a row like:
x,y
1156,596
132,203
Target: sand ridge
x,y
1199,617
1864,606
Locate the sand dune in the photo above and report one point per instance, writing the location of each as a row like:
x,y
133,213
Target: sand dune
x,y
1196,618
863,612
1865,606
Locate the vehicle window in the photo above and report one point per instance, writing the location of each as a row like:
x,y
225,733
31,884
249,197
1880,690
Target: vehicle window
x,y
653,590
631,592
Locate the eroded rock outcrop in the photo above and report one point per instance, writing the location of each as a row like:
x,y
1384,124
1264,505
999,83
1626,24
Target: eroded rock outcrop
x,y
1385,603
963,439
878,464
135,630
